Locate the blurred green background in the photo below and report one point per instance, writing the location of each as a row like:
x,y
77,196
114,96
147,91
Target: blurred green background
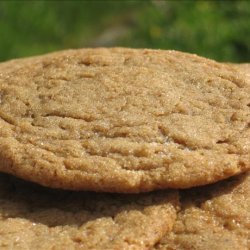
x,y
215,29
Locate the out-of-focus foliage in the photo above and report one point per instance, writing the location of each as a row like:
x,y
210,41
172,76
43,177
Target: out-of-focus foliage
x,y
215,29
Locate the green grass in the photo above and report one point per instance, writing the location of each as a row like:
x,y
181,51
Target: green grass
x,y
215,29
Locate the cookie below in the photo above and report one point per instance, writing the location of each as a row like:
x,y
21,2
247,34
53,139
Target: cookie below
x,y
33,217
214,217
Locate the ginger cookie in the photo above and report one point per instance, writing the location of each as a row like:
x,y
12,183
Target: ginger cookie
x,y
123,120
215,217
34,217
244,68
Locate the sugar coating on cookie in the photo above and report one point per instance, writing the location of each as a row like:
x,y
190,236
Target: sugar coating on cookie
x,y
244,68
215,217
123,120
33,217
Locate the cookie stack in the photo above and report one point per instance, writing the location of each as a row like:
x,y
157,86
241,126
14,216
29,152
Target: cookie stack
x,y
124,149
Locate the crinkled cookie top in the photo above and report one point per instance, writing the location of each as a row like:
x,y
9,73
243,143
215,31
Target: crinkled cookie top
x,y
123,120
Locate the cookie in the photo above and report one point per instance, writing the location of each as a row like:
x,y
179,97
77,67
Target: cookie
x,y
244,68
34,217
215,217
123,120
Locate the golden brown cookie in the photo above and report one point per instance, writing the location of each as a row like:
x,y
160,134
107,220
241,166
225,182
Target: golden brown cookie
x,y
34,217
244,68
213,218
123,120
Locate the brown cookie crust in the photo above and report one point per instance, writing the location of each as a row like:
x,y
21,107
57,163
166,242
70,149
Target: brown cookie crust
x,y
123,120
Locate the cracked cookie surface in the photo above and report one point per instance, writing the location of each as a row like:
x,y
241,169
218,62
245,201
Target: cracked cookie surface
x,y
213,217
123,120
34,217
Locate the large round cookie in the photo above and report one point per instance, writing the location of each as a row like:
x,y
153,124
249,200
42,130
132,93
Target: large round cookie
x,y
215,217
33,217
123,120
